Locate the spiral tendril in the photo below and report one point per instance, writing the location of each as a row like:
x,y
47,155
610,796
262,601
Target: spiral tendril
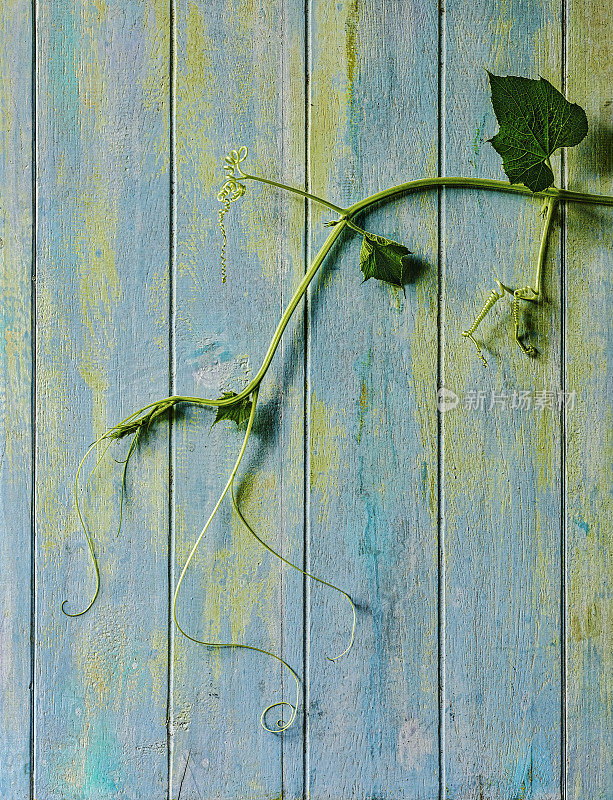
x,y
525,293
493,298
232,189
222,212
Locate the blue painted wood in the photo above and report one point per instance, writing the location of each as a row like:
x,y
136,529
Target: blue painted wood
x,y
102,350
15,397
373,717
237,87
589,577
501,466
525,652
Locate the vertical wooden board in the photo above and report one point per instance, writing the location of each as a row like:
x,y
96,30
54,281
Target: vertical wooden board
x,y
588,432
501,491
288,385
373,718
15,395
102,339
240,81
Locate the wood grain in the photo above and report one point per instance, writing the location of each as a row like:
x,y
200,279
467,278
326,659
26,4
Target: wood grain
x,y
501,466
16,595
102,340
588,339
240,81
474,541
373,718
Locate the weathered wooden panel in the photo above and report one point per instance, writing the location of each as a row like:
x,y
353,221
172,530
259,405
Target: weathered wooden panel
x,y
15,396
588,339
240,81
102,351
373,718
501,465
492,588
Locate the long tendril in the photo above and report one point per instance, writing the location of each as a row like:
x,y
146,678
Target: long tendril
x,y
134,425
97,464
281,726
298,569
131,450
88,538
131,425
224,239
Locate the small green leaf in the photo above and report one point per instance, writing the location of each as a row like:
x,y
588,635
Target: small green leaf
x,y
384,260
535,119
236,412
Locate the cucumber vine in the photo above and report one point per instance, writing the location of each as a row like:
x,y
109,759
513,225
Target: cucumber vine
x,y
535,120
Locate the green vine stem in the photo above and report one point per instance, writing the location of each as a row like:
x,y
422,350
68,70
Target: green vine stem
x,y
531,293
404,188
143,418
300,192
476,183
424,184
548,212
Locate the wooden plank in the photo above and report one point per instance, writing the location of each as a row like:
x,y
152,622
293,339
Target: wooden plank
x,y
501,492
102,353
15,395
240,78
101,680
373,720
588,435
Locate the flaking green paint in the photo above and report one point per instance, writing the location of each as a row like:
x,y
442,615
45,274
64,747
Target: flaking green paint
x,y
155,80
587,554
328,441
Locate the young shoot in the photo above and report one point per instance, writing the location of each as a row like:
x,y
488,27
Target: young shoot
x,y
535,120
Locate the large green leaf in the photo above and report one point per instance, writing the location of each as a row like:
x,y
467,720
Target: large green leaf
x,y
535,119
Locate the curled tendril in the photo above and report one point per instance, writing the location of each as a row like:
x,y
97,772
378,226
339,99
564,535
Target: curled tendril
x,y
493,298
233,169
224,240
298,569
525,293
231,190
131,426
134,425
280,726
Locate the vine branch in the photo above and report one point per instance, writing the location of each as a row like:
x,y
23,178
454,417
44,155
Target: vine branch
x,y
530,172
